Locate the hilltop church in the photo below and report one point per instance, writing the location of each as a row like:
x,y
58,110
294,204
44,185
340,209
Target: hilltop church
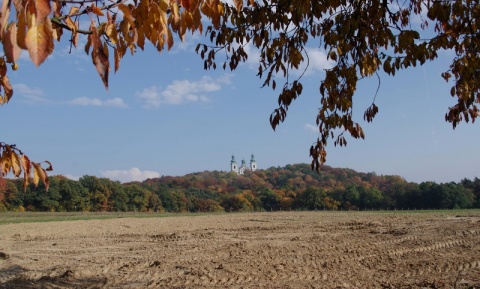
x,y
241,170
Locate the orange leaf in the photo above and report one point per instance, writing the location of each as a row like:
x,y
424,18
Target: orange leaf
x,y
39,42
97,11
10,47
238,4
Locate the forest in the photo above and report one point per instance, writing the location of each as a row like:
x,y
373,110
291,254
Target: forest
x,y
293,187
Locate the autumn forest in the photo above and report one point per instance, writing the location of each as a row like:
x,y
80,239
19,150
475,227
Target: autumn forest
x,y
293,187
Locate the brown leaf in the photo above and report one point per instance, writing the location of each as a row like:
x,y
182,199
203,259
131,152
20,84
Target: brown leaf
x,y
99,58
169,38
50,167
57,8
185,4
57,31
116,59
26,165
10,47
42,10
21,29
39,42
7,87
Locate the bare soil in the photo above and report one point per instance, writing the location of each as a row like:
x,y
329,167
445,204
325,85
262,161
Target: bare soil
x,y
247,250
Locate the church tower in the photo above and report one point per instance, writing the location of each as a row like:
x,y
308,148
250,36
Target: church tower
x,y
233,165
242,168
253,164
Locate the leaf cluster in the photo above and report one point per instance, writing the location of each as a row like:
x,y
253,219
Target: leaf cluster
x,y
362,39
12,160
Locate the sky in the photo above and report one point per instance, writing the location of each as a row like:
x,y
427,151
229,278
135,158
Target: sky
x,y
164,115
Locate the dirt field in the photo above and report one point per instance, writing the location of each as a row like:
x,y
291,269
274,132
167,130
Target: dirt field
x,y
249,250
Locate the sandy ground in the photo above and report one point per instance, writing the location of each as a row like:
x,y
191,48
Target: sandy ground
x,y
249,250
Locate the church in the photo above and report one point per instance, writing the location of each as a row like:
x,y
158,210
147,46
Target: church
x,y
241,170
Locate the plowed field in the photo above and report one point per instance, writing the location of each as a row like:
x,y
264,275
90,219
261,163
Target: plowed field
x,y
247,250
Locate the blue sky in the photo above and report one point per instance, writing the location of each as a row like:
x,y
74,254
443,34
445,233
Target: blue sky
x,y
164,115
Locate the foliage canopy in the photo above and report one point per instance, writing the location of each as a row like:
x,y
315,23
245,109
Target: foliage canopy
x,y
362,38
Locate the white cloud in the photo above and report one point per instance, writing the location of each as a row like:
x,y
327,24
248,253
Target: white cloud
x,y
317,61
85,101
181,91
29,95
72,177
311,127
133,174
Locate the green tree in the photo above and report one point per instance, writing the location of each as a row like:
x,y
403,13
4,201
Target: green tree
x,y
138,197
38,199
74,197
270,200
99,192
370,197
352,196
311,199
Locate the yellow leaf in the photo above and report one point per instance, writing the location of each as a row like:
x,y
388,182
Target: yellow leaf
x,y
37,173
39,42
5,161
5,14
16,166
111,32
73,10
69,22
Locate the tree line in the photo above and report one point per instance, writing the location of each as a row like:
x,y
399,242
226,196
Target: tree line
x,y
293,187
